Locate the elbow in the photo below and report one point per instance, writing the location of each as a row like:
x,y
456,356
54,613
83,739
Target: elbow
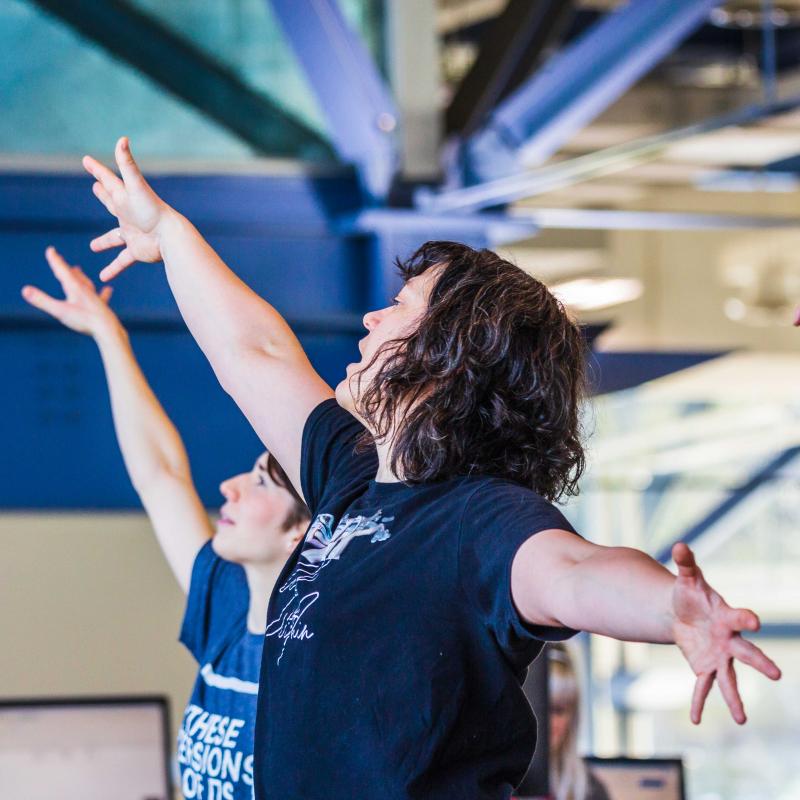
x,y
232,366
145,485
224,365
154,481
237,367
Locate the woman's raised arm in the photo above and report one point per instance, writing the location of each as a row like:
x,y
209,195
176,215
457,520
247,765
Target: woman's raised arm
x,y
151,446
255,355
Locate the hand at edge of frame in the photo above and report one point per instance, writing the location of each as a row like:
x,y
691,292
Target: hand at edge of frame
x,y
709,633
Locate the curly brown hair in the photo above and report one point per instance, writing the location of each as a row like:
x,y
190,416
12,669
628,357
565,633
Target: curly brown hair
x,y
490,383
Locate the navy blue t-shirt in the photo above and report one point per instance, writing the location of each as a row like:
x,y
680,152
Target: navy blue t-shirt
x,y
394,656
215,742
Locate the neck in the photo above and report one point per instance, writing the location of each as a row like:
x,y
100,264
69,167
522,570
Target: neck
x,y
383,446
260,580
385,474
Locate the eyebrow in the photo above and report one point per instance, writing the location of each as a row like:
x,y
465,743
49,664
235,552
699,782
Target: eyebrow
x,y
411,288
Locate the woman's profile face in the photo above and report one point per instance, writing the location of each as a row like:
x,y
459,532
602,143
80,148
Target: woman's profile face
x,y
385,325
560,723
250,528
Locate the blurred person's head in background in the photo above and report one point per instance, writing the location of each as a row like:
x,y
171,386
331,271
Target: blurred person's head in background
x,y
569,777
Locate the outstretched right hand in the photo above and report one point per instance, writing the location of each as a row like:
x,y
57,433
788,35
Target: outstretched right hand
x,y
82,309
140,212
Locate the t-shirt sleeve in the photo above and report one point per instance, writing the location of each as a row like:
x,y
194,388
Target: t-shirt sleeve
x,y
498,519
329,452
217,605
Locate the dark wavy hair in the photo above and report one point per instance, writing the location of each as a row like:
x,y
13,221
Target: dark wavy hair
x,y
298,514
490,383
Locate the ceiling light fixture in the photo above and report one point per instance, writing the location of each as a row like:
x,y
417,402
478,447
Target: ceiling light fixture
x,y
589,294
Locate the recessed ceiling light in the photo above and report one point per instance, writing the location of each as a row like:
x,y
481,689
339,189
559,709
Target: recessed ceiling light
x,y
588,294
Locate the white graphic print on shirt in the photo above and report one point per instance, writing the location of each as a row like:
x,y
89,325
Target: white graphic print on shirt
x,y
322,546
215,761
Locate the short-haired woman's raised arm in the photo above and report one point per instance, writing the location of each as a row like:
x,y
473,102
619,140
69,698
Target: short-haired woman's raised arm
x,y
151,446
255,355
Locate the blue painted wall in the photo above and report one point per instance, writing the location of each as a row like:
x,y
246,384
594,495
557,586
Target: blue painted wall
x,y
281,233
277,232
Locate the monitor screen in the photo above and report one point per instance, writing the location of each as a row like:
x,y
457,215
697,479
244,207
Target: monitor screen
x,y
84,749
639,778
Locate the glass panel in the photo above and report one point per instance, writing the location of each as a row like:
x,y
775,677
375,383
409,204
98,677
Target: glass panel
x,y
667,458
723,761
62,94
246,36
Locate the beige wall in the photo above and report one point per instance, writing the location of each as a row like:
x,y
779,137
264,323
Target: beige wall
x,y
687,276
683,274
88,606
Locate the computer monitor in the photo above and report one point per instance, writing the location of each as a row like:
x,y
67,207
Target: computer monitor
x,y
639,778
85,749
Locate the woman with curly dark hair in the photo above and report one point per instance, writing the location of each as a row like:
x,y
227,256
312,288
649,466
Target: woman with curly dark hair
x,y
490,381
436,565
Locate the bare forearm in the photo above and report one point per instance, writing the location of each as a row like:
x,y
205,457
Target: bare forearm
x,y
150,444
224,315
617,592
256,357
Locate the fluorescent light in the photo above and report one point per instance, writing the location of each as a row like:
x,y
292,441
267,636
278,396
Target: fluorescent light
x,y
735,309
750,146
558,264
588,294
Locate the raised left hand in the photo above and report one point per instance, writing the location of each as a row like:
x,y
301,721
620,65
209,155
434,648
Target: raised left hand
x,y
83,308
709,633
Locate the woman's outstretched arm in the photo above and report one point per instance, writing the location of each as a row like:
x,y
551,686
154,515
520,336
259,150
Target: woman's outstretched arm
x,y
559,579
254,353
151,446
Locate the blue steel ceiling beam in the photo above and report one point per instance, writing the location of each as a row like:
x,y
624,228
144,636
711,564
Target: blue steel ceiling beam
x,y
395,231
767,473
489,228
580,82
616,371
354,98
523,223
509,50
181,67
622,220
776,630
599,164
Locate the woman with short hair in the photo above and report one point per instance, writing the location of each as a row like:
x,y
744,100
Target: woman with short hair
x,y
228,574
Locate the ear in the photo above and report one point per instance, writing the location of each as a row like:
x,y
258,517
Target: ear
x,y
293,537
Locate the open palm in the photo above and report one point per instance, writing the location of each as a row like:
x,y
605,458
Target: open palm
x,y
708,632
138,209
82,309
